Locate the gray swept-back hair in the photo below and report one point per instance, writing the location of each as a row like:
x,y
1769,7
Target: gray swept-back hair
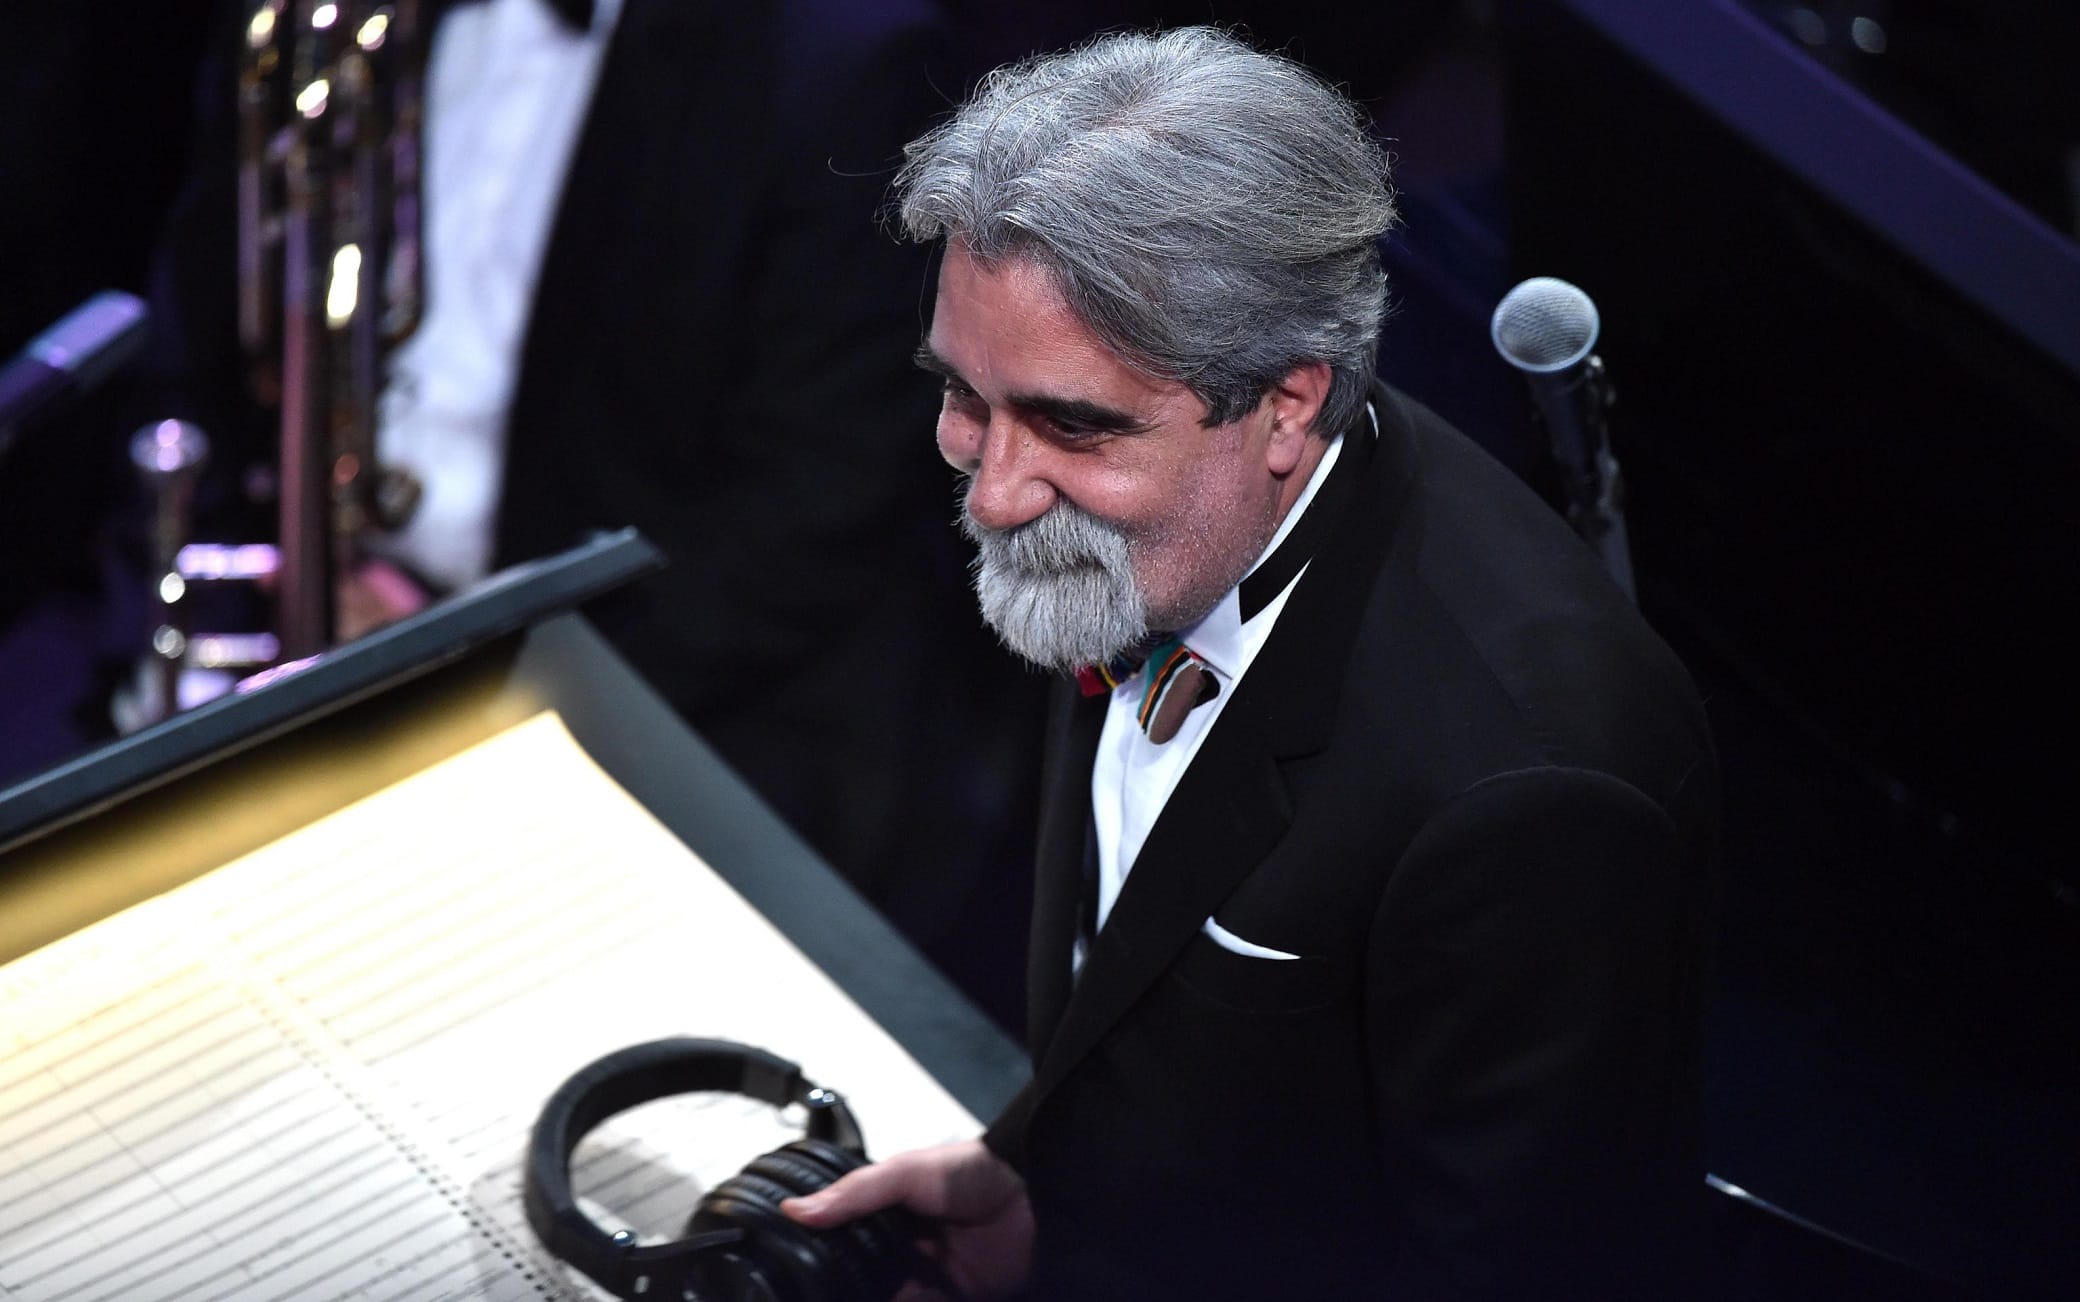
x,y
1211,212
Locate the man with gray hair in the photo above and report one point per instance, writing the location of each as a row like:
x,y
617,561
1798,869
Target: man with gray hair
x,y
1373,862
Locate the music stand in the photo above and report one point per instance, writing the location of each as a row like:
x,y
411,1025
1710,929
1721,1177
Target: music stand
x,y
146,813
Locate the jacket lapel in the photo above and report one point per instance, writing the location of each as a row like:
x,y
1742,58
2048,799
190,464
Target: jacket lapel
x,y
1074,723
1232,805
1227,813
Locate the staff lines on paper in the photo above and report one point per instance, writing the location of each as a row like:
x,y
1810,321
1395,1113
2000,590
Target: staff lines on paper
x,y
424,889
275,939
478,1286
351,1169
201,1250
436,1020
387,1112
540,930
375,1250
29,1223
478,1126
35,1058
416,1286
487,915
308,1247
197,1063
302,1084
43,1116
299,889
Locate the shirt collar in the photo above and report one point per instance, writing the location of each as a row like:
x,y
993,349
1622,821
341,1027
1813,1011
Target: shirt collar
x,y
1220,638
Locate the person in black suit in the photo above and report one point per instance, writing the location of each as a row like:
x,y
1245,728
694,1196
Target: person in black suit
x,y
1367,946
715,350
718,354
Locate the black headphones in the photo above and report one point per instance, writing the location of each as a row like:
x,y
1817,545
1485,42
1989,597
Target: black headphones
x,y
739,1244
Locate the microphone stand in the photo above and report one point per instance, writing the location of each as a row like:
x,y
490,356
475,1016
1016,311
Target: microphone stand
x,y
1574,408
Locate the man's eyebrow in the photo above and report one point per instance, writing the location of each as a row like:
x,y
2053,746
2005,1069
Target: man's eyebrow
x,y
1079,413
927,360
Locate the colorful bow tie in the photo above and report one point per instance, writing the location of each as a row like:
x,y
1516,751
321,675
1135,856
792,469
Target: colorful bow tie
x,y
1177,682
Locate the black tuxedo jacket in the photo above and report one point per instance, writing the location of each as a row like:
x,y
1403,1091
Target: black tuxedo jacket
x,y
1475,793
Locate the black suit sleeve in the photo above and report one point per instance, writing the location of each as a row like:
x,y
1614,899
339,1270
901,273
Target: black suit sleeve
x,y
1531,1011
1006,1136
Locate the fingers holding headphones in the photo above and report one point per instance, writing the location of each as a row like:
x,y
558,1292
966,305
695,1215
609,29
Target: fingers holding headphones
x,y
899,1181
982,1225
944,1183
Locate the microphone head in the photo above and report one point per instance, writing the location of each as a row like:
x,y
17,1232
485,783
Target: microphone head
x,y
1544,325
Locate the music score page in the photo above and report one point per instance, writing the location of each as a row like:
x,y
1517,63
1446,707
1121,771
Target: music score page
x,y
311,1073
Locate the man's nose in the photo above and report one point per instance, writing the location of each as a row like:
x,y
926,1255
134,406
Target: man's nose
x,y
1006,485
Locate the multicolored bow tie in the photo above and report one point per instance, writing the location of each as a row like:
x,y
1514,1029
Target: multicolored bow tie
x,y
1177,682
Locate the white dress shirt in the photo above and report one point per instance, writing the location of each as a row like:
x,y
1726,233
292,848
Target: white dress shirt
x,y
508,84
1132,777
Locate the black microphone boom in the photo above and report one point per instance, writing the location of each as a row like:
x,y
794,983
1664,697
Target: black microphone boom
x,y
70,358
1547,329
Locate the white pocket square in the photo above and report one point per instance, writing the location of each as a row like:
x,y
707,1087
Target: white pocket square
x,y
1235,944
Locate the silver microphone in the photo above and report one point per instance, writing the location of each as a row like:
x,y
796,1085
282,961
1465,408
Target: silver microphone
x,y
1547,329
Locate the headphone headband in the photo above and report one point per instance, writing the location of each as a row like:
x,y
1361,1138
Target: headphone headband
x,y
623,1080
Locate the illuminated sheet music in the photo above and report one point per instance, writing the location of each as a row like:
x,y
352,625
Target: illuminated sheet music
x,y
311,1073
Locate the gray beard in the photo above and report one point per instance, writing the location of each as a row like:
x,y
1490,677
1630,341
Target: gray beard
x,y
1059,590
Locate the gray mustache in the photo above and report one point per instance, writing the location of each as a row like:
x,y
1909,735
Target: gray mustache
x,y
1059,589
1067,538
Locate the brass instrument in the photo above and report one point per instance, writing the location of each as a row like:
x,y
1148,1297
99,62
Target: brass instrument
x,y
330,109
331,103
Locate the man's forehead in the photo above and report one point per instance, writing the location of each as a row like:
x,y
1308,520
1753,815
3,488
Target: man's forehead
x,y
1009,294
1008,317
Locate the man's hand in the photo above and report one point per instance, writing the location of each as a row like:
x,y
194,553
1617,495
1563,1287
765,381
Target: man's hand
x,y
982,1223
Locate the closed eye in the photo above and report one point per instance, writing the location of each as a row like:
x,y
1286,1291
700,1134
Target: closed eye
x,y
1069,432
1069,420
1075,419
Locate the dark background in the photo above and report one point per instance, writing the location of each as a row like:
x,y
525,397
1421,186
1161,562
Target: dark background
x,y
1849,473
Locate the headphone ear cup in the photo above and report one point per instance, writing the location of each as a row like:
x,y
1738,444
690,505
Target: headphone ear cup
x,y
799,1260
859,1249
836,1158
864,1261
801,1172
885,1239
886,1235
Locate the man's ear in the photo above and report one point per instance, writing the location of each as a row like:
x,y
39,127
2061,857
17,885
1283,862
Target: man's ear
x,y
1296,401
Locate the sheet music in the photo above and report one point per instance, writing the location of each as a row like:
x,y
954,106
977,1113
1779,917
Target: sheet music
x,y
311,1073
